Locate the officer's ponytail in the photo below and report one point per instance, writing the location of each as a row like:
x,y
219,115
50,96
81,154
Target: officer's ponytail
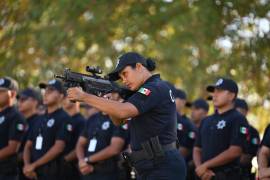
x,y
150,64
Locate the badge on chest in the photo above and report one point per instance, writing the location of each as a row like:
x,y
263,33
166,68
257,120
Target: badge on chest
x,y
221,124
2,119
50,123
105,125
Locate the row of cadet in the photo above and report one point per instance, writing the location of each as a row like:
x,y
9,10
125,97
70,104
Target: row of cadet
x,y
48,137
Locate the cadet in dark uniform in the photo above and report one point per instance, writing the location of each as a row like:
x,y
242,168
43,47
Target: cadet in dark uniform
x,y
264,156
28,102
222,136
99,147
252,146
69,166
153,118
46,143
12,128
186,131
199,111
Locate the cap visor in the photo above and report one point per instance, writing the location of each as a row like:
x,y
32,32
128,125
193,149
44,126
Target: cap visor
x,y
113,76
188,104
211,88
42,85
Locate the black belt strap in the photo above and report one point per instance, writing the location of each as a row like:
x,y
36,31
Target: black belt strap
x,y
141,155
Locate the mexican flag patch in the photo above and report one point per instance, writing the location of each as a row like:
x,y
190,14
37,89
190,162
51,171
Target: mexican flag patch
x,y
144,91
243,130
20,127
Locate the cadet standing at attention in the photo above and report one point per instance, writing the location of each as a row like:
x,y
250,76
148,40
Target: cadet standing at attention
x,y
46,143
28,102
12,128
222,136
253,143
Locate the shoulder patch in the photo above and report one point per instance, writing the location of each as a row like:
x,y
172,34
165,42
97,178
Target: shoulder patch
x,y
243,130
144,91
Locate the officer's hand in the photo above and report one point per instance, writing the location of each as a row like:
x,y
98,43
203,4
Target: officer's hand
x,y
87,169
200,170
208,175
29,168
82,164
31,175
75,94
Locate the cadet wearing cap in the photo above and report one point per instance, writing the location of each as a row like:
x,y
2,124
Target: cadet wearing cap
x,y
264,155
12,128
98,147
252,146
199,111
28,102
69,163
47,141
186,131
222,136
153,118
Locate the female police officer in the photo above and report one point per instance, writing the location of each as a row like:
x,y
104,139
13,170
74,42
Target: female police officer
x,y
152,113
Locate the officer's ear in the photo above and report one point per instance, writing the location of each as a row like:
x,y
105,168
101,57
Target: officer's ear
x,y
12,94
232,96
139,66
62,96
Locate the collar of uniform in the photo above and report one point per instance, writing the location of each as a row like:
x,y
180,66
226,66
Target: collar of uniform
x,y
31,118
6,110
76,115
224,113
55,112
152,78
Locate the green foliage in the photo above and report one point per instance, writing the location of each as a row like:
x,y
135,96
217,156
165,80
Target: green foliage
x,y
39,38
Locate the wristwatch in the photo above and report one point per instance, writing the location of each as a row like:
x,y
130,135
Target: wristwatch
x,y
87,160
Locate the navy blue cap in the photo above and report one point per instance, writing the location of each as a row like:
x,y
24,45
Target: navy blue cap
x,y
8,83
125,60
200,104
55,84
179,93
225,84
241,103
30,92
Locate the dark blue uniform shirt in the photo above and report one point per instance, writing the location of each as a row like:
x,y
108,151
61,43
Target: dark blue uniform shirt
x,y
52,127
219,131
78,123
186,133
266,137
157,113
253,141
30,123
12,127
102,129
